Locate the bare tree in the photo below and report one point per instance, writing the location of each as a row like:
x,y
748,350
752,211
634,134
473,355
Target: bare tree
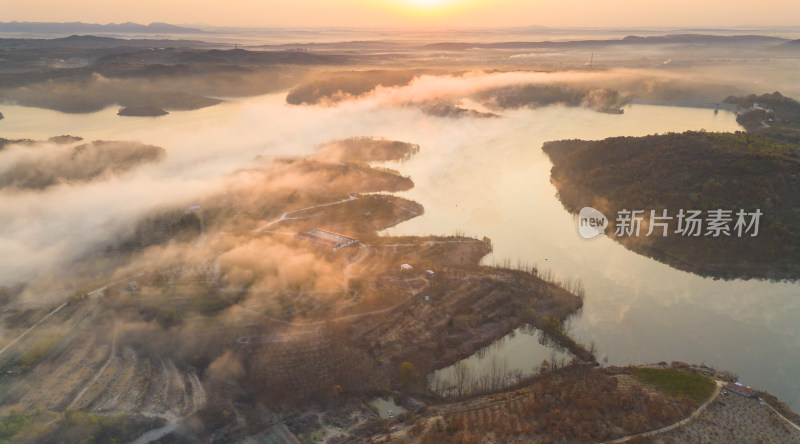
x,y
498,372
463,378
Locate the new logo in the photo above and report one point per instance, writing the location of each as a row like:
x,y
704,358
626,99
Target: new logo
x,y
591,222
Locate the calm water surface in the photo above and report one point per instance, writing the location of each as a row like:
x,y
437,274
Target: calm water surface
x,y
489,177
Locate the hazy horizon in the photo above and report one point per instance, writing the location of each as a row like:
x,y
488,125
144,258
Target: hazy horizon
x,y
414,13
755,27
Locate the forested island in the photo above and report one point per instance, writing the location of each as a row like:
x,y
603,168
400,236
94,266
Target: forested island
x,y
728,177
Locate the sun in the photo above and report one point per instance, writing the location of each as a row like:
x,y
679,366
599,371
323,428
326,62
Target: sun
x,y
427,3
428,8
430,12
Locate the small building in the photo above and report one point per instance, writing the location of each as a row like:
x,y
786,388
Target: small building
x,y
430,274
406,267
740,389
327,239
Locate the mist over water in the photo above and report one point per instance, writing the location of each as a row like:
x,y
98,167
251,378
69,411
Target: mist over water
x,y
485,177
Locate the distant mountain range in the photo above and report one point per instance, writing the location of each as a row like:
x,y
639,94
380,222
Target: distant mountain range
x,y
82,28
685,39
96,42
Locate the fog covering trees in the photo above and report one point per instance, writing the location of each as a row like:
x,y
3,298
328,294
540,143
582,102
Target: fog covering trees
x,y
42,165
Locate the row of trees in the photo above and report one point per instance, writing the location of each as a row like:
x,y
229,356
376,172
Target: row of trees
x,y
576,404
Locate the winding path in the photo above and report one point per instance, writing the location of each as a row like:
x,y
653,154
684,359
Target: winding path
x,y
354,315
32,327
92,293
173,421
781,416
99,372
684,421
285,216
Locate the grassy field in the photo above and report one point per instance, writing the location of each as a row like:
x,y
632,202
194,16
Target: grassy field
x,y
677,383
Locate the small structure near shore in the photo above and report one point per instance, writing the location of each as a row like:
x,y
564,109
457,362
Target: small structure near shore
x,y
327,239
740,389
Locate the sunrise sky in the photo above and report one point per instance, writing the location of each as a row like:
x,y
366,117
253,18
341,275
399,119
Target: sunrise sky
x,y
402,13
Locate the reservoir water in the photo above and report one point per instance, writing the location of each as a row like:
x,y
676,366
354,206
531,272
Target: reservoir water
x,y
486,177
502,363
636,309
